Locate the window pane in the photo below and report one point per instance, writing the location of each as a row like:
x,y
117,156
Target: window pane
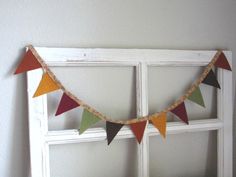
x,y
111,90
185,155
167,84
119,159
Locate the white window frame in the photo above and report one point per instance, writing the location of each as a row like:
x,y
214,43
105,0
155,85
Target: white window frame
x,y
41,138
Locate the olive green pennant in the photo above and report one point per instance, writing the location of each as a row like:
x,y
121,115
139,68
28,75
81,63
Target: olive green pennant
x,y
88,119
196,97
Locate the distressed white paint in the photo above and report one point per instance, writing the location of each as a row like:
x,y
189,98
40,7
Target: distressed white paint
x,y
74,56
37,127
99,134
142,110
225,114
141,58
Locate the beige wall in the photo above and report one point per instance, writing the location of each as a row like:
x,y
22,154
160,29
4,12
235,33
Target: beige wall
x,y
176,24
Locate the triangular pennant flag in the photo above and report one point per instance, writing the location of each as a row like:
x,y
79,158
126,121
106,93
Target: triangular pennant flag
x,y
138,130
196,97
222,62
180,111
66,104
46,85
160,123
29,62
210,79
112,129
88,119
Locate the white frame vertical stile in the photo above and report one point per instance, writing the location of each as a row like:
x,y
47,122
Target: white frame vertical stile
x,y
225,114
142,110
38,115
141,59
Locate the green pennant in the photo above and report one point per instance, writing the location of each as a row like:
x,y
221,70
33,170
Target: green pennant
x,y
196,97
88,119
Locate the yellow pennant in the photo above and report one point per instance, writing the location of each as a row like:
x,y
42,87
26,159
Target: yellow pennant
x,y
160,123
46,85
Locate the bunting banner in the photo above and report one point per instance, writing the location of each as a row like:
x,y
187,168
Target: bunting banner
x,y
46,85
112,129
210,79
88,119
29,62
138,130
196,97
49,83
222,62
160,123
180,111
66,104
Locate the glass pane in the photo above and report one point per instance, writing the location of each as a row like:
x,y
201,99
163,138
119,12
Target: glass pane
x,y
94,159
185,155
110,90
167,84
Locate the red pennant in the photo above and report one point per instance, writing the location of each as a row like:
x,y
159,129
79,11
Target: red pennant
x,y
66,104
222,62
138,130
180,111
29,62
112,129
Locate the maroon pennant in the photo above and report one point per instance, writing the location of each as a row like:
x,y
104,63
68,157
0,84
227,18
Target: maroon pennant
x,y
112,129
29,62
66,104
222,62
180,111
210,79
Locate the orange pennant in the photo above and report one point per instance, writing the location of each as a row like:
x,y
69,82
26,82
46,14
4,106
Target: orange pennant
x,y
46,85
160,123
29,62
138,130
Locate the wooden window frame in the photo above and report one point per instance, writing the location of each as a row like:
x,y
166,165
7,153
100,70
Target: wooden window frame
x,y
41,138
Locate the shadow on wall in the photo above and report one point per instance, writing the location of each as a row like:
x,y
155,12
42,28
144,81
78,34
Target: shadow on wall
x,y
19,147
234,129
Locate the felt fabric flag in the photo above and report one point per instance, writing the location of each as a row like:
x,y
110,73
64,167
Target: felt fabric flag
x,y
210,79
222,62
112,129
46,85
138,130
88,119
160,123
29,62
180,111
196,97
66,104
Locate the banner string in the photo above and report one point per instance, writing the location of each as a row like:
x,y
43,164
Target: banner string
x,y
133,120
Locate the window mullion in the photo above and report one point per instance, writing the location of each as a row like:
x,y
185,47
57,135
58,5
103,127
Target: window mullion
x,y
142,110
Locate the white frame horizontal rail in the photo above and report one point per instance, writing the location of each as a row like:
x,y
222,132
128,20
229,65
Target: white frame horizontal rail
x,y
41,138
